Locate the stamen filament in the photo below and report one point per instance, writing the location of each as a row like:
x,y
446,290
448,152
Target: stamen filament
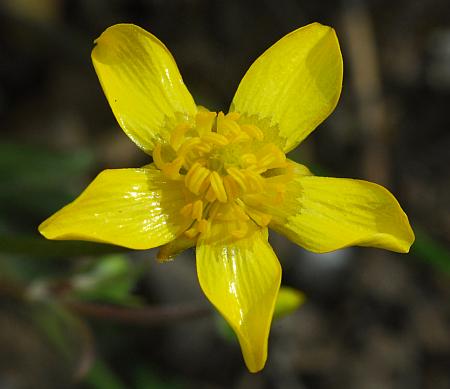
x,y
217,187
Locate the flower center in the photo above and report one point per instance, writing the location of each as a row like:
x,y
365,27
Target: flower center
x,y
223,161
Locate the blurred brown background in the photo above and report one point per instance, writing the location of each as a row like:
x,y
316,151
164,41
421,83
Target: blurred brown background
x,y
373,319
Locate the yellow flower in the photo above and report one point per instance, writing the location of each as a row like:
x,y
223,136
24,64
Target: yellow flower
x,y
218,181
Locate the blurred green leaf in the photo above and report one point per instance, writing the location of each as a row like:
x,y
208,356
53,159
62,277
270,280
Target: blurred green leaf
x,y
110,279
427,248
38,180
40,247
289,299
224,329
146,378
100,376
43,345
63,329
24,270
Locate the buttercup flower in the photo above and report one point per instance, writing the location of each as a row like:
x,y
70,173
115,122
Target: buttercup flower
x,y
218,181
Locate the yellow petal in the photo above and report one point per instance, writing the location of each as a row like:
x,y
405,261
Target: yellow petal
x,y
294,85
324,214
135,208
241,278
141,82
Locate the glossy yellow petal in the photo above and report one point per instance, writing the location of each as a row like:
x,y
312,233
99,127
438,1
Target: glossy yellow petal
x,y
141,82
241,278
135,208
294,85
323,214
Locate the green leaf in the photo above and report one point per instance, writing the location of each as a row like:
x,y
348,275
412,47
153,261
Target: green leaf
x,y
37,180
110,279
39,247
63,329
146,378
430,250
100,376
289,299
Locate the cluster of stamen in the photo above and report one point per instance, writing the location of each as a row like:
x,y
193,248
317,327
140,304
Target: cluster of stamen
x,y
222,161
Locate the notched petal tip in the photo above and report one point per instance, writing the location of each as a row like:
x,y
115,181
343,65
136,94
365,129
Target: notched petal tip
x,y
106,46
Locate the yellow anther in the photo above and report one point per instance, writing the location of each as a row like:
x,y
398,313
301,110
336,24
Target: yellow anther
x,y
197,210
271,157
199,179
192,232
210,195
192,171
213,210
204,226
267,160
186,211
249,159
255,181
240,137
191,158
187,146
204,186
217,187
195,177
220,117
231,187
176,138
204,121
227,126
253,131
202,148
231,127
238,177
172,169
233,115
215,138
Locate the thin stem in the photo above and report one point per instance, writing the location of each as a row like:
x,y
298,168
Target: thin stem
x,y
142,316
